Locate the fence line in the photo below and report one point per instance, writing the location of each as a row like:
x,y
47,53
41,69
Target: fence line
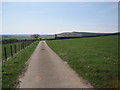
x,y
13,49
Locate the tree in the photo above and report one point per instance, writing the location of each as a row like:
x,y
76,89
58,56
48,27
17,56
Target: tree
x,y
36,36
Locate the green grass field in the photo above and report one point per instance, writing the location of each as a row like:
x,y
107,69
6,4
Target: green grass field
x,y
94,58
11,69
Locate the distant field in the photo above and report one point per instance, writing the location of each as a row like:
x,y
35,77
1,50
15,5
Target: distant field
x,y
23,36
94,58
16,36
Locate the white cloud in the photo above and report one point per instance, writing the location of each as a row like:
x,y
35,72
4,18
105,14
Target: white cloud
x,y
97,30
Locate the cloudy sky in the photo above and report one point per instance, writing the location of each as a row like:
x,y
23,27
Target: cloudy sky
x,y
56,17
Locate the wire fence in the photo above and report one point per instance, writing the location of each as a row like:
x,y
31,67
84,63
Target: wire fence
x,y
9,50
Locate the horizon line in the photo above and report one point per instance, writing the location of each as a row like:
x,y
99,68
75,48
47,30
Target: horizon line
x,y
57,33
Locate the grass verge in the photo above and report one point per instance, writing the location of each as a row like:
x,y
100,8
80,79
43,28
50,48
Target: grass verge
x,y
12,68
94,58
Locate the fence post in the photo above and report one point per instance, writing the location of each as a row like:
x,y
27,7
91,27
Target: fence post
x,y
23,45
19,47
11,50
5,53
15,48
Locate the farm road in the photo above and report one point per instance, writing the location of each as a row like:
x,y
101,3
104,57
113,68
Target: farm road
x,y
47,70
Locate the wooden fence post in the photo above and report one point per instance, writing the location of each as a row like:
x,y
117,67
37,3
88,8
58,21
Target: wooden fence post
x,y
23,45
19,47
15,49
11,50
5,53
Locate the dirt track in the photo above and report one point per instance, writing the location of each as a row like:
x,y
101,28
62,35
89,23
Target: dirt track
x,y
47,70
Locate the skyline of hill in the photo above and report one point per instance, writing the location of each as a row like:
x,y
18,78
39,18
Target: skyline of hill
x,y
71,34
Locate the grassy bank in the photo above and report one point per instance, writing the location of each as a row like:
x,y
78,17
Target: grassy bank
x,y
13,67
94,58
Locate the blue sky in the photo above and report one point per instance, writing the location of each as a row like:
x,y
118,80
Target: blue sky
x,y
56,17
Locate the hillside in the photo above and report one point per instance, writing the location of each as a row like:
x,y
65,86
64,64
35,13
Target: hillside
x,y
83,34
